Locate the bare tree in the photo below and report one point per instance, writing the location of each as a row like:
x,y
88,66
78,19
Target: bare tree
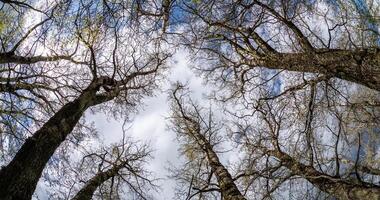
x,y
113,57
241,38
322,141
113,172
189,123
299,81
283,67
312,137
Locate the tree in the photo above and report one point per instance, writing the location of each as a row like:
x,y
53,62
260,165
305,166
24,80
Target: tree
x,y
189,123
323,138
298,81
241,38
110,68
282,148
282,77
111,172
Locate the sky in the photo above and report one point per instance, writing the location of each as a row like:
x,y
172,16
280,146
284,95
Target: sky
x,y
150,124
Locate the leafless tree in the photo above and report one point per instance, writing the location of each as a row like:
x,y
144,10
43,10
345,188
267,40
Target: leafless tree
x,y
298,80
302,145
74,56
241,39
315,137
114,172
294,73
200,134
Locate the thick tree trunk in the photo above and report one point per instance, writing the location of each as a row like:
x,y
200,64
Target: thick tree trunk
x,y
226,183
12,58
360,66
88,190
334,186
19,178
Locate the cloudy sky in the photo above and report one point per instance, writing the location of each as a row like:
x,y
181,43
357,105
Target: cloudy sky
x,y
150,123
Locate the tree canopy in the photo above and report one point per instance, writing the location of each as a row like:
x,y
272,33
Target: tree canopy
x,y
293,94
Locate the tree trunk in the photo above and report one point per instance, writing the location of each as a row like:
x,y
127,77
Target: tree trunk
x,y
334,186
226,183
19,178
12,58
359,66
88,190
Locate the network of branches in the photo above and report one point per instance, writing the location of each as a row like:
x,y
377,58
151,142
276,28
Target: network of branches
x,y
293,102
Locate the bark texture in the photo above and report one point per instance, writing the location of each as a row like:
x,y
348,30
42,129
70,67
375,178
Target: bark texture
x,y
360,66
88,190
226,183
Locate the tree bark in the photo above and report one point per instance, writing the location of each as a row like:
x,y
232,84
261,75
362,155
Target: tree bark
x,y
12,58
19,178
358,66
335,186
226,183
88,190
